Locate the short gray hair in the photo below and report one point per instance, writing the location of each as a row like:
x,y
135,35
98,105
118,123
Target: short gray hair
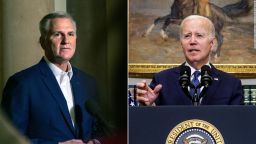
x,y
211,25
44,25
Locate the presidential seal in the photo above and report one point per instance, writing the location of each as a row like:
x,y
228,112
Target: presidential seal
x,y
194,132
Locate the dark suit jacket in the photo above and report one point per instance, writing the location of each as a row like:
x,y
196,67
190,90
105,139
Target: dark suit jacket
x,y
33,101
224,90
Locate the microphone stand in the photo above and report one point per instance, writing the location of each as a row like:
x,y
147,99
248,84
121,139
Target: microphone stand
x,y
197,97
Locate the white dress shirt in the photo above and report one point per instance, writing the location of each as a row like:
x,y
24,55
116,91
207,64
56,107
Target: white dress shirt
x,y
63,78
192,74
193,70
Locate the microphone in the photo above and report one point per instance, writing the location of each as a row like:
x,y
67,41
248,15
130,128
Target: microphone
x,y
184,79
102,125
206,76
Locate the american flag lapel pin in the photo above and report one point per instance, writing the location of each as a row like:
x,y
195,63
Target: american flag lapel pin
x,y
216,79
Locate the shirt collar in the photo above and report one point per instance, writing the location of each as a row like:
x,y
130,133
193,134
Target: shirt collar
x,y
57,71
193,69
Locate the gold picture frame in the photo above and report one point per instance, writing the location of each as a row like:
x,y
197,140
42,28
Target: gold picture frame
x,y
146,67
144,70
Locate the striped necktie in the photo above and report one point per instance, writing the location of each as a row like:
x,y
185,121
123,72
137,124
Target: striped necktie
x,y
195,82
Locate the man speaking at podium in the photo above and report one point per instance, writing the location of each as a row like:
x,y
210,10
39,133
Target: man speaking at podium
x,y
197,81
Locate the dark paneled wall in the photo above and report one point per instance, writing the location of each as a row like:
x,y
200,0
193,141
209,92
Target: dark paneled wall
x,y
102,52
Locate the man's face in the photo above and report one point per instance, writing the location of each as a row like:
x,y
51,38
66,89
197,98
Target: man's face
x,y
196,42
60,43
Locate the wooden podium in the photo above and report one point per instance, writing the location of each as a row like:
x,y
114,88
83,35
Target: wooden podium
x,y
152,125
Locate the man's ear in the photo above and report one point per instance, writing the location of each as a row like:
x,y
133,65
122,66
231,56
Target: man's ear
x,y
214,44
42,40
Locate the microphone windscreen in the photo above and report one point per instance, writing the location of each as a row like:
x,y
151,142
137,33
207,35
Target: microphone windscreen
x,y
92,107
207,69
103,126
185,70
184,79
206,76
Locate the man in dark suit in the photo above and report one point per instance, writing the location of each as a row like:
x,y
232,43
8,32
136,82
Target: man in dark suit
x,y
197,36
46,102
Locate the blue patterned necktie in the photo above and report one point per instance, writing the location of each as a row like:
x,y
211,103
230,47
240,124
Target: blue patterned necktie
x,y
195,82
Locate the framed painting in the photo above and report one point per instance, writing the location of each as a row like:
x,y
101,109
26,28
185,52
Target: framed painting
x,y
150,51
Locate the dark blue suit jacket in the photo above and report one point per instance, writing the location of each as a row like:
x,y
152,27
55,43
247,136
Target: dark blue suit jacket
x,y
224,90
33,101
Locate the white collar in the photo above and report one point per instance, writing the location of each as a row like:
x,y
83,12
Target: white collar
x,y
57,71
193,69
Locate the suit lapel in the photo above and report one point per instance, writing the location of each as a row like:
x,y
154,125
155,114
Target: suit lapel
x,y
52,84
76,88
78,103
214,86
